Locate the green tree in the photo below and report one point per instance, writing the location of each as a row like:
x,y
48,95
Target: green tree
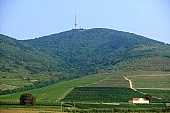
x,y
149,97
27,99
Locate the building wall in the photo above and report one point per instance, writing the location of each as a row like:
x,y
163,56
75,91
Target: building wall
x,y
141,100
145,101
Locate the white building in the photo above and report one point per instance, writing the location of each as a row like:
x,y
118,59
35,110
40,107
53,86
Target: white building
x,y
139,100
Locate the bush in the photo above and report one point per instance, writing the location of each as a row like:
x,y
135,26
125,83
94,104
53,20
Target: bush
x,y
27,99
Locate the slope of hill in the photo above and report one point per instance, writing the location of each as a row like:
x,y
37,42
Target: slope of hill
x,y
87,51
76,53
20,60
80,52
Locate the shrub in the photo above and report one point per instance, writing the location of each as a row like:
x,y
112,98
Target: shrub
x,y
27,99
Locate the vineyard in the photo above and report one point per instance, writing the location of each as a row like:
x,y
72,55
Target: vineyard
x,y
164,95
51,95
109,90
120,106
13,83
101,94
113,81
98,93
151,81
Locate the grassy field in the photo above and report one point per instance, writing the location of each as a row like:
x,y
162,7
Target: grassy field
x,y
89,108
14,82
53,93
158,85
163,94
32,109
121,105
151,81
101,94
112,81
94,93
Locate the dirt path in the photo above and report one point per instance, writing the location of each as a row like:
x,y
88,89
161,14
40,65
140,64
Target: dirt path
x,y
131,86
130,82
156,88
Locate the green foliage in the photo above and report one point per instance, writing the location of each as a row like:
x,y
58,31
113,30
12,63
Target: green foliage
x,y
164,95
149,97
101,94
27,99
18,57
146,64
122,110
79,52
52,94
118,106
151,81
88,51
15,82
76,53
112,81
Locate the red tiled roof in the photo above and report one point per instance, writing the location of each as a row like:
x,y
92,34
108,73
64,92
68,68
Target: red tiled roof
x,y
136,99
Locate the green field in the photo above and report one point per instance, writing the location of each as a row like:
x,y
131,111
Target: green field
x,y
158,85
54,93
121,105
151,81
112,81
96,93
101,94
14,82
163,94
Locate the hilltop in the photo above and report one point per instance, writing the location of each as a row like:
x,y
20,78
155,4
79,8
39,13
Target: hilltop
x,y
88,51
79,52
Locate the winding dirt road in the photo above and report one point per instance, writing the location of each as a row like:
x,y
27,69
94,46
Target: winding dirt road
x,y
131,86
130,82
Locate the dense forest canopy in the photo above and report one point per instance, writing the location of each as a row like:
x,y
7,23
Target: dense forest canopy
x,y
80,52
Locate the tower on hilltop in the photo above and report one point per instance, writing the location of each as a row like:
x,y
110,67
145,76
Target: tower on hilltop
x,y
75,22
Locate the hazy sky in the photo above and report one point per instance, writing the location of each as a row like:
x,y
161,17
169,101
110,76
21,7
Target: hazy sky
x,y
27,19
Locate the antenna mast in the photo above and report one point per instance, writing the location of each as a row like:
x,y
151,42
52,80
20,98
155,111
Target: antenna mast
x,y
75,22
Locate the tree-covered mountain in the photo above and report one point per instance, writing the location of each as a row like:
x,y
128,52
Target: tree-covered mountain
x,y
79,52
87,51
20,60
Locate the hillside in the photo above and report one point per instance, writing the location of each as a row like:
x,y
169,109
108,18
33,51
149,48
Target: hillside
x,y
87,51
78,52
20,60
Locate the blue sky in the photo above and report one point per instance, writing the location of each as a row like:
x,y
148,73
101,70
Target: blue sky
x,y
28,19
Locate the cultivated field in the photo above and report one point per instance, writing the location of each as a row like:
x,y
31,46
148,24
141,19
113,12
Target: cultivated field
x,y
101,94
163,95
7,83
158,85
151,81
54,93
112,81
113,89
28,109
94,93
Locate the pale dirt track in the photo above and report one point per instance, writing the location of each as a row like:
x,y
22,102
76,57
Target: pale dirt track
x,y
131,86
155,88
130,82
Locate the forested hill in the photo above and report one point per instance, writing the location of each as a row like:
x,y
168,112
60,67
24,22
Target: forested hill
x,y
20,60
87,51
79,52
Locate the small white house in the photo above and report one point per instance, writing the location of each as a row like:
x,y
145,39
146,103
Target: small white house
x,y
139,100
